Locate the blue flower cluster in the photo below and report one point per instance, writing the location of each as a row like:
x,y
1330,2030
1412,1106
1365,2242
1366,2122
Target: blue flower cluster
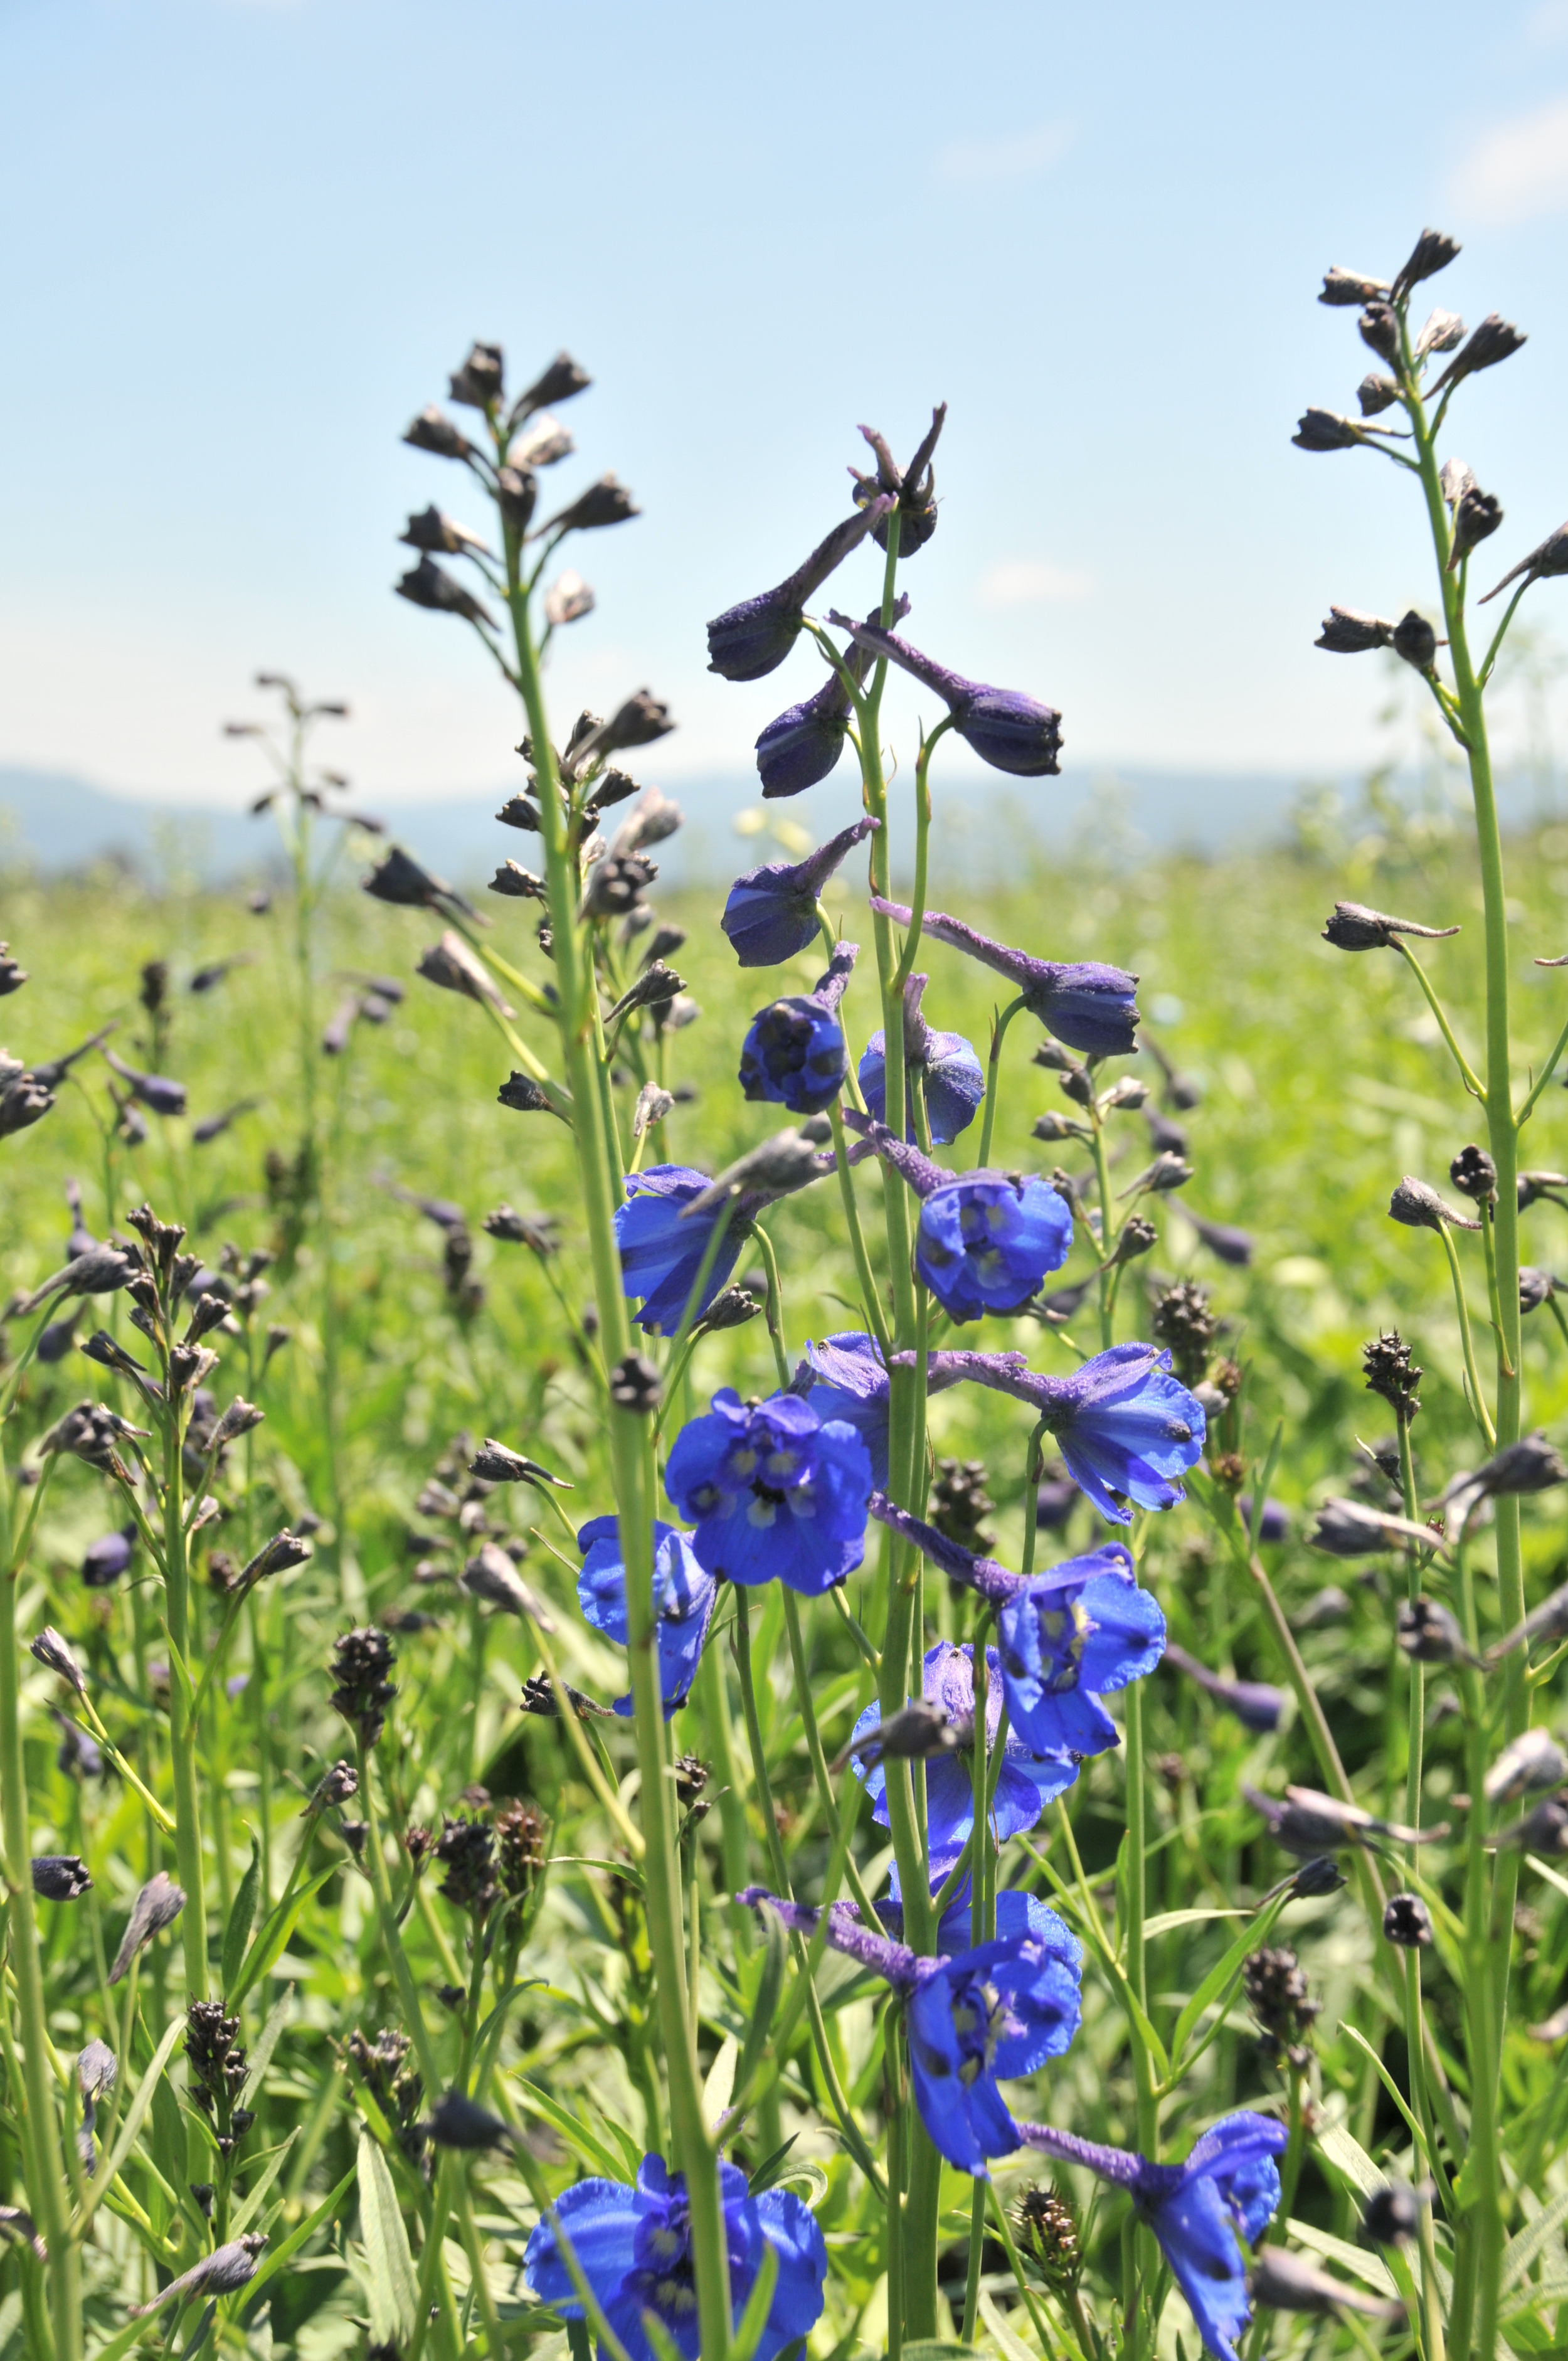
x,y
776,1492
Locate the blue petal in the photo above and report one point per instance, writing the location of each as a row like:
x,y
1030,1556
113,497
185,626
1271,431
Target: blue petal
x,y
1129,1638
600,2218
1199,2242
794,2232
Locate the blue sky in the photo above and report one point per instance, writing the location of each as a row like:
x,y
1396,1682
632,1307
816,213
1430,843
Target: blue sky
x,y
245,239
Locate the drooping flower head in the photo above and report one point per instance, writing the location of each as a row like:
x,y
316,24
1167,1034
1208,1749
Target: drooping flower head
x,y
661,1254
683,1593
1068,1637
804,743
1127,1430
951,1073
793,1054
1257,1705
751,639
1230,2183
774,1490
1010,731
771,913
994,2012
985,1240
1091,1008
633,2248
1026,1783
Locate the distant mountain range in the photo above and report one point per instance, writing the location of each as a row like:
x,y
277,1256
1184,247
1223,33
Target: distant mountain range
x,y
53,822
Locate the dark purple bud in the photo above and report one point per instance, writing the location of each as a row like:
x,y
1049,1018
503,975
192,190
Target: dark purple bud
x,y
429,585
454,967
1415,640
1325,430
1432,252
1345,288
1495,340
1379,329
478,382
103,1561
1550,556
439,535
1231,1245
1282,2281
49,1648
521,883
1255,1704
524,1096
433,430
157,1906
616,885
12,977
1421,1208
1008,729
1392,2214
914,487
559,382
517,492
1376,393
1536,1288
1429,1634
154,1090
770,915
24,1100
1089,1006
747,642
400,879
1347,632
59,1876
457,2121
1353,927
637,722
606,502
635,1385
1476,516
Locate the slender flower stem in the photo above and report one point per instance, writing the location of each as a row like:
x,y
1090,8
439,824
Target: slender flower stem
x,y
1466,1072
181,1719
992,1075
1477,1398
869,1288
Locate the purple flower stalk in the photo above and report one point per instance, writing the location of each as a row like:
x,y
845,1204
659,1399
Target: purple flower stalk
x,y
1011,731
751,639
952,1075
1126,1427
1090,1006
1255,1704
771,913
985,1240
1229,2184
999,2010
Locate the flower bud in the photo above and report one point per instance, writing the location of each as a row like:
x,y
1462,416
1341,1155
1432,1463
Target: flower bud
x,y
433,430
1376,393
1325,430
1421,1208
1347,632
1345,288
1429,1634
1407,1921
1536,1288
1317,1877
429,585
1391,1372
1495,340
452,965
457,2121
1432,252
478,382
1380,330
1474,1175
616,885
519,811
567,600
517,492
59,1876
559,382
606,502
521,883
12,977
635,1385
1478,515
1353,927
50,1649
1415,640
1550,556
438,536
523,1096
1531,1764
543,443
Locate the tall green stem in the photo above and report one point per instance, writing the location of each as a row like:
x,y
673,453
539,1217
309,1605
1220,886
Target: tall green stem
x,y
181,1719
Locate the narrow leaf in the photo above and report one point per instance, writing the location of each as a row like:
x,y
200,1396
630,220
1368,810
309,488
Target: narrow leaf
x,y
574,2134
754,2319
393,2283
237,1934
720,2082
1523,2250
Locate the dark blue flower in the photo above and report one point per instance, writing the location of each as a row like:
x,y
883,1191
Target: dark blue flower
x,y
748,640
953,1077
985,1240
1010,731
683,1593
1067,1637
1091,1008
998,2010
1025,1785
773,1492
103,1561
852,1386
771,913
661,1254
1077,1633
1255,1704
794,1054
802,745
1229,2184
633,2248
1126,1428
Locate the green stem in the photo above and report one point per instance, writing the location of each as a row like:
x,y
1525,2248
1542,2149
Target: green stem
x,y
1477,1399
992,1073
1466,1073
182,1718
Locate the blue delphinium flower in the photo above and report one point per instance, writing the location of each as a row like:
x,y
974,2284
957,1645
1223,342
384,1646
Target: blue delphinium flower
x,y
852,1385
1011,731
802,745
683,1593
748,640
1229,2184
661,1254
952,1075
1257,1705
633,2248
1026,1783
771,913
774,1490
985,1240
1126,1428
1077,1633
999,2010
1091,1008
793,1054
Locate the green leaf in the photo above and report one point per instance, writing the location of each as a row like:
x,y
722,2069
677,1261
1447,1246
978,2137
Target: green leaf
x,y
273,1941
1225,1971
135,2118
1167,1921
285,2253
237,1934
266,2042
806,2178
1523,2250
768,2171
775,1958
720,2082
576,2135
1349,2159
754,2319
245,2213
1358,2260
393,2284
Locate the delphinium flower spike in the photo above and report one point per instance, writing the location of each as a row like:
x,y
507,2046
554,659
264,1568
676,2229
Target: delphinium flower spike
x,y
994,2013
1088,1005
1229,2185
985,1240
950,1072
633,2248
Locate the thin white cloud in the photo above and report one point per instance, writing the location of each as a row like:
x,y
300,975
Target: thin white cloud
x,y
1546,26
1017,159
1518,171
1029,582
